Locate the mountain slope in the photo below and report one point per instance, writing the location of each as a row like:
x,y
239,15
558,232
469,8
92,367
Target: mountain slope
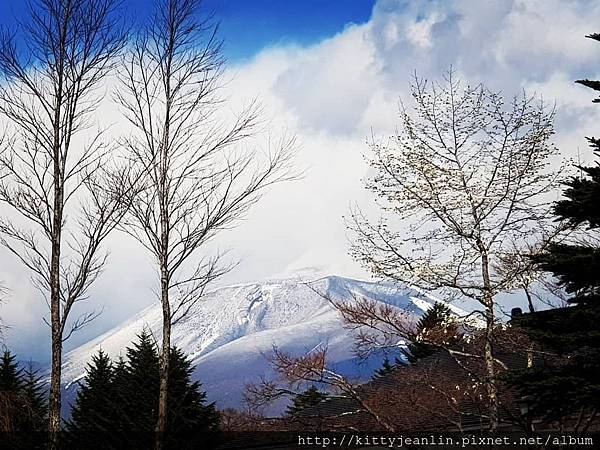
x,y
228,334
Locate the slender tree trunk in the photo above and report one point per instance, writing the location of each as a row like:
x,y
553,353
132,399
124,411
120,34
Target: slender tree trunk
x,y
529,300
55,394
161,424
490,373
54,409
55,316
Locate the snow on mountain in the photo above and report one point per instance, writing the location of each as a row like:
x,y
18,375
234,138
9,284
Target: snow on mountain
x,y
228,334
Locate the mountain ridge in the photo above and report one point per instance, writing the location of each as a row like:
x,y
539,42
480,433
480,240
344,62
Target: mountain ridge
x,y
228,333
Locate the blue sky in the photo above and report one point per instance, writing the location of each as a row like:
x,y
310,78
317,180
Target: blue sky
x,y
249,26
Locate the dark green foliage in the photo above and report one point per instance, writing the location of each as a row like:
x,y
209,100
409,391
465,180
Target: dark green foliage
x,y
117,406
22,405
558,393
10,396
189,420
386,368
34,395
436,326
139,389
311,397
10,373
582,194
93,416
593,84
565,382
576,268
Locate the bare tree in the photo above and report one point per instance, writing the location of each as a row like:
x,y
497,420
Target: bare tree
x,y
197,179
468,178
448,387
232,420
312,367
380,327
54,170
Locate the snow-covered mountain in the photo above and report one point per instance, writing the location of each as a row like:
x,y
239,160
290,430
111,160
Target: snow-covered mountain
x,y
228,334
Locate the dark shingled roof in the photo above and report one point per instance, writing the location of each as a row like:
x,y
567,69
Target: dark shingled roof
x,y
347,412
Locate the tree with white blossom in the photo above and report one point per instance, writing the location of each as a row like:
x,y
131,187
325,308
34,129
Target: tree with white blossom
x,y
464,183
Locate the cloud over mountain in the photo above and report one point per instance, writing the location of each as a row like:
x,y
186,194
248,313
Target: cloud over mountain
x,y
333,95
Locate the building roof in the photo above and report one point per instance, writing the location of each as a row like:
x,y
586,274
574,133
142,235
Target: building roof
x,y
438,392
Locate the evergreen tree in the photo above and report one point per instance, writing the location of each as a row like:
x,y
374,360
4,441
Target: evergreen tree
x,y
435,325
22,406
569,384
577,267
191,422
311,397
10,395
138,383
10,373
564,381
93,416
35,398
117,406
386,368
119,371
121,426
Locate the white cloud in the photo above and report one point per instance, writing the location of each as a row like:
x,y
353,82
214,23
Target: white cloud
x,y
332,95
